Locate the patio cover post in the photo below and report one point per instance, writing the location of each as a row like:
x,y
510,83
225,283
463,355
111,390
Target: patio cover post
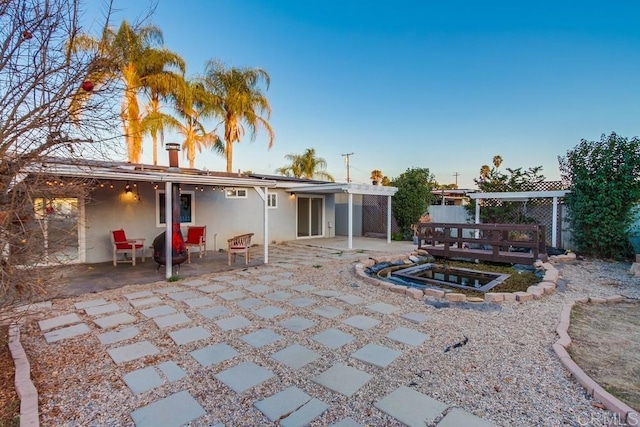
x,y
168,221
477,232
265,225
350,214
554,222
388,219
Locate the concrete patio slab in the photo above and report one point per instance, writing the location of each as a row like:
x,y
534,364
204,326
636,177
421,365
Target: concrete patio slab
x,y
172,371
333,338
210,289
269,312
261,337
244,376
327,293
142,380
410,407
278,296
170,289
187,335
235,322
89,303
215,312
134,351
297,324
343,379
305,287
114,320
214,354
285,283
259,289
295,356
377,355
171,320
302,302
291,407
415,317
250,303
181,296
383,308
117,336
199,302
141,294
139,302
68,332
55,322
102,309
175,410
408,336
361,322
231,295
161,310
351,299
328,311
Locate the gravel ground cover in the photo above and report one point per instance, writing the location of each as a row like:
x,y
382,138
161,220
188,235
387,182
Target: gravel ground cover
x,y
506,371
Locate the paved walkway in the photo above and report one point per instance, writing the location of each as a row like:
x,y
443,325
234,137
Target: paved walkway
x,y
235,301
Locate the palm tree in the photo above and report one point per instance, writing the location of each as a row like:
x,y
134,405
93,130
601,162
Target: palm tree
x,y
193,104
376,176
485,170
306,165
241,100
160,84
497,161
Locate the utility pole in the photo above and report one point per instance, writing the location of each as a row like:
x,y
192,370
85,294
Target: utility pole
x,y
456,175
346,156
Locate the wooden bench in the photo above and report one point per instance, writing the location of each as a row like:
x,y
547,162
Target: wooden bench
x,y
239,245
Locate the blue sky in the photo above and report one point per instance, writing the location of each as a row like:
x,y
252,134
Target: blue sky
x,y
442,85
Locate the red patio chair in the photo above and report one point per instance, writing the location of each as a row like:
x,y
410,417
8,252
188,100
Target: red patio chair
x,y
196,238
122,245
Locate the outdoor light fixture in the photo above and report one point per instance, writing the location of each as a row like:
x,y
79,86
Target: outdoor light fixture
x,y
127,188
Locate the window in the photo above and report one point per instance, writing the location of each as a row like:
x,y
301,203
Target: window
x,y
272,200
236,193
187,208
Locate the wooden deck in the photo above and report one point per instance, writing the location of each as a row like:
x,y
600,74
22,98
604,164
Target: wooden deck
x,y
500,243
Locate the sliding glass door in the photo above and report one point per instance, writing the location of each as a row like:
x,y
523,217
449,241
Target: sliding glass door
x,y
310,216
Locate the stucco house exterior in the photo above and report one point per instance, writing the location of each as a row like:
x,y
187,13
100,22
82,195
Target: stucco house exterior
x,y
133,197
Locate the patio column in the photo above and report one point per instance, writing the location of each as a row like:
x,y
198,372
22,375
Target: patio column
x,y
265,224
350,215
554,222
388,219
477,232
168,221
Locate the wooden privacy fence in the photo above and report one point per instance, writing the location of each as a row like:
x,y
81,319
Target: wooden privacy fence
x,y
502,243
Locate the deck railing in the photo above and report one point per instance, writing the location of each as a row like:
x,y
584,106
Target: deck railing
x,y
503,243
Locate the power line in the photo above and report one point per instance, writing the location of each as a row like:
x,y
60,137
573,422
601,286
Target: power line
x,y
347,156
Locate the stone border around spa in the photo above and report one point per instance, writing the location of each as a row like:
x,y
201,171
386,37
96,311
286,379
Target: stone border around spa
x,y
535,292
611,402
25,388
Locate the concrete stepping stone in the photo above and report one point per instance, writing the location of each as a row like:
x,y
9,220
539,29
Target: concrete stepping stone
x,y
172,371
285,283
195,283
142,380
261,337
408,336
383,308
214,312
211,288
175,410
361,322
377,355
278,296
132,351
199,302
171,320
33,307
327,293
235,322
250,303
291,407
90,303
295,356
333,338
304,288
240,283
187,335
259,289
161,310
214,354
351,299
297,324
68,332
117,336
169,289
286,274
267,278
343,379
415,317
328,311
55,322
102,309
302,302
411,407
457,417
114,320
224,278
347,422
231,295
144,301
136,295
269,312
181,296
244,376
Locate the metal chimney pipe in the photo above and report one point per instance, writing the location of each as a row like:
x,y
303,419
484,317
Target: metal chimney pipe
x,y
173,148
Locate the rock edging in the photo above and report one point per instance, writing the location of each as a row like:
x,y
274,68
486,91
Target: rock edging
x,y
546,286
24,386
560,347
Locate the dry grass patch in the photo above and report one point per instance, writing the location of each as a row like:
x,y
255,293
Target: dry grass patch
x,y
606,345
9,401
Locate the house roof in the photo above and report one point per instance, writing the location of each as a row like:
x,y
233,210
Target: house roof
x,y
351,188
143,173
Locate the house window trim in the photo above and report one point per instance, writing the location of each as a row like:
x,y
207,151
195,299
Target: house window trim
x,y
275,200
235,194
193,208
